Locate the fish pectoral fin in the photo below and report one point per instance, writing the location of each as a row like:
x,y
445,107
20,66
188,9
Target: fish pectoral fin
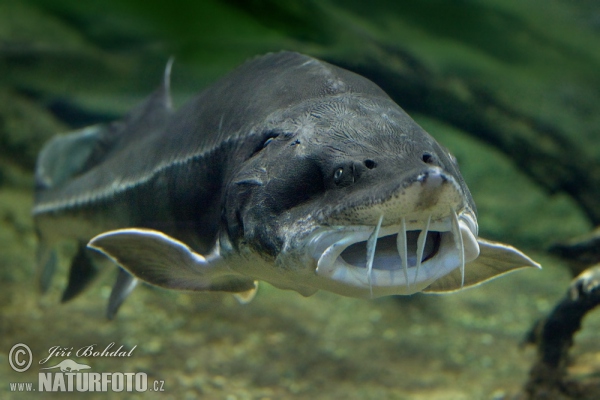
x,y
494,259
161,260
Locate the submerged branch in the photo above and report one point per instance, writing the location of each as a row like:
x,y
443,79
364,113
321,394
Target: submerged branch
x,y
554,338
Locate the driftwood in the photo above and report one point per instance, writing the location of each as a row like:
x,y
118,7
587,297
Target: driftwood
x,y
579,253
553,336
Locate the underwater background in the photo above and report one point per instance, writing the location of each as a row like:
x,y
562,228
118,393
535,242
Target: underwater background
x,y
511,87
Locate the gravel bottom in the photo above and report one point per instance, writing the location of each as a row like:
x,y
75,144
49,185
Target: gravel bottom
x,y
460,346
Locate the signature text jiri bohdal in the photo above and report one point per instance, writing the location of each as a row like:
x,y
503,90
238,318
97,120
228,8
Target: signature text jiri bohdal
x,y
92,350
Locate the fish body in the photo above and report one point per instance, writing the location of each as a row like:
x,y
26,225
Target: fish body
x,y
288,170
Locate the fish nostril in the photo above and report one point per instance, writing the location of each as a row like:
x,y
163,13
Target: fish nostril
x,y
370,164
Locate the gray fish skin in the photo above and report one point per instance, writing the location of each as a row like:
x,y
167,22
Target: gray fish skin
x,y
271,174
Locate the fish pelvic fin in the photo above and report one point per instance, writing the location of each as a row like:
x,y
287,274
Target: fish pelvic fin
x,y
124,285
494,259
84,268
247,296
47,260
164,261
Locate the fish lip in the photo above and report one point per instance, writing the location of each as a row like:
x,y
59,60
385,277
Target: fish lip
x,y
327,245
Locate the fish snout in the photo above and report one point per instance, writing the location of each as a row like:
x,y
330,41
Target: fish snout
x,y
429,192
433,177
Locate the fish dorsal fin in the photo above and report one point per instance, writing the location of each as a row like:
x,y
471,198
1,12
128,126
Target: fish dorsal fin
x,y
155,107
161,260
494,259
67,156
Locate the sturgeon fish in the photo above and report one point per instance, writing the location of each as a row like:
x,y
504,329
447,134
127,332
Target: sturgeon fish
x,y
289,170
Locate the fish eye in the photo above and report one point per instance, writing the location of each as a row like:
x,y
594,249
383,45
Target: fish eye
x,y
337,175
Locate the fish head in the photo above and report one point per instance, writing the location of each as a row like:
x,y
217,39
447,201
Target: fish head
x,y
350,195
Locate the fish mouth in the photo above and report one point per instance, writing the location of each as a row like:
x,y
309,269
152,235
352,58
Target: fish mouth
x,y
387,256
402,258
